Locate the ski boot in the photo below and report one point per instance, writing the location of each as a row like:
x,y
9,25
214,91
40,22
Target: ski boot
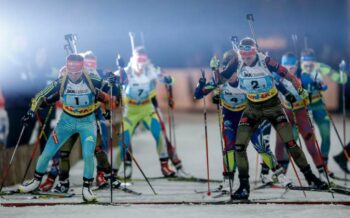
x,y
62,186
115,182
242,193
48,184
312,180
88,195
264,174
166,171
342,161
128,169
33,184
282,178
180,172
101,182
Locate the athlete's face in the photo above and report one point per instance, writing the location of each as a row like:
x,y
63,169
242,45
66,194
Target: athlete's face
x,y
248,54
139,62
90,64
74,70
74,76
248,59
291,68
308,66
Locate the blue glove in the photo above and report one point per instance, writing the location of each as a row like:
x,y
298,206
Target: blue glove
x,y
306,79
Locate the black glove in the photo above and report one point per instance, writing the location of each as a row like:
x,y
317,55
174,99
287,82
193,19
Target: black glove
x,y
216,99
317,85
112,78
202,81
171,103
107,114
29,117
120,62
290,98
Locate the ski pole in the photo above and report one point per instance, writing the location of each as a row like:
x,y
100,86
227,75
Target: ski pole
x,y
41,124
169,116
342,69
296,173
111,140
143,174
291,161
12,158
224,152
317,145
234,42
171,110
139,167
132,41
171,150
206,138
250,19
319,151
122,129
37,143
335,129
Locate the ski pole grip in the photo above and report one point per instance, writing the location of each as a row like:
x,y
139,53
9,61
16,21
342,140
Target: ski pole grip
x,y
203,73
250,17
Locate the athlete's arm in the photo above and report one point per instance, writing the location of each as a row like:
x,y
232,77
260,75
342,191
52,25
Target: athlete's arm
x,y
274,66
46,96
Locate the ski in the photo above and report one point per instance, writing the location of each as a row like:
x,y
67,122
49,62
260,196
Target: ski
x,y
39,194
225,202
10,192
218,189
335,189
192,179
51,194
262,186
223,193
119,187
339,178
176,179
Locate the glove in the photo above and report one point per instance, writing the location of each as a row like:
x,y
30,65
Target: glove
x,y
171,103
317,85
112,78
26,119
290,98
120,62
214,63
202,81
168,80
216,99
303,93
107,114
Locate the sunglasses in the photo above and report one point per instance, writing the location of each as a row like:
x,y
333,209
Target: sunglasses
x,y
247,50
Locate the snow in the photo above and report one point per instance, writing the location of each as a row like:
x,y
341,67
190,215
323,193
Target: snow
x,y
191,149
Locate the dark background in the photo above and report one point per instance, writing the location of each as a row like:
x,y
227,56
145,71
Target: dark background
x,y
178,33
